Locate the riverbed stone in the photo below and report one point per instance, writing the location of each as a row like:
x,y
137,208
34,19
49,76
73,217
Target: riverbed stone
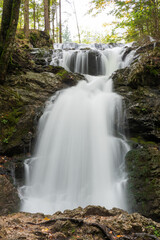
x,y
61,226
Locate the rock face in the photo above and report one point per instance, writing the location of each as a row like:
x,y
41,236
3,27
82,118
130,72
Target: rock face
x,y
40,39
143,166
88,223
9,200
22,101
139,84
88,62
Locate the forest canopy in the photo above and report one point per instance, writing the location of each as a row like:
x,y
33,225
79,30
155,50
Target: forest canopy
x,y
138,17
135,19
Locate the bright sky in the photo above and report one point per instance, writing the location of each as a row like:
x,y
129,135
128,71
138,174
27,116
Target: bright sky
x,y
86,21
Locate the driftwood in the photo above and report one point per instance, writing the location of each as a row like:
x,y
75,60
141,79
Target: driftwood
x,y
106,231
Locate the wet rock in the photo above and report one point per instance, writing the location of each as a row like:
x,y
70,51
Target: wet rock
x,y
143,185
139,85
100,211
40,61
9,200
94,63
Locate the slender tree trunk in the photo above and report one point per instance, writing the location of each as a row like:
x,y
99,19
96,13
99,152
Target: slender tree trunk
x,y
57,25
26,18
156,17
79,36
8,30
46,16
34,14
49,13
38,17
60,23
53,20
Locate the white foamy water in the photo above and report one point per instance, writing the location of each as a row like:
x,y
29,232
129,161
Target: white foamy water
x,y
79,157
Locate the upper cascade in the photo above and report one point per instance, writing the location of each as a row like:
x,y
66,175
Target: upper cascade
x,y
92,59
83,46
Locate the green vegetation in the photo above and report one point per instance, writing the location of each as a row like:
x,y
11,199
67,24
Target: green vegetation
x,y
139,18
9,121
155,231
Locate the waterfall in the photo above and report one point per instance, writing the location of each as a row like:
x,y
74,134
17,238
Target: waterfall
x,y
79,157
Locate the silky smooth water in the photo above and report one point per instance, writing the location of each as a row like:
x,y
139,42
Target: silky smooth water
x,y
79,157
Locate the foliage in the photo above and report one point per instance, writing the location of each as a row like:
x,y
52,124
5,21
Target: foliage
x,y
66,35
88,37
155,230
137,16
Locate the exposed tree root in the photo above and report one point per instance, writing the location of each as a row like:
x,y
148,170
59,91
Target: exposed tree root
x,y
107,232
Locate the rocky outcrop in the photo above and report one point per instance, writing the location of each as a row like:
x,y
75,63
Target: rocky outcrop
x,y
144,180
40,39
139,85
88,223
9,200
22,102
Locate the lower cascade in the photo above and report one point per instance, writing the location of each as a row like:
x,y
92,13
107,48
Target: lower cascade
x,y
79,157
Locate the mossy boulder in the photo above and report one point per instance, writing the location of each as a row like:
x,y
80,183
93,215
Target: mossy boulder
x,y
40,39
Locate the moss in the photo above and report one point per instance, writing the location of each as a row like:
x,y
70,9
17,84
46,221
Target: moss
x,y
10,113
9,121
141,141
20,34
142,164
40,39
63,74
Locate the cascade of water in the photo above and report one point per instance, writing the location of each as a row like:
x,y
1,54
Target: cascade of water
x,y
79,159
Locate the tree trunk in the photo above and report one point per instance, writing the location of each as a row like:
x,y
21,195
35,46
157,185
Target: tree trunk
x,y
46,16
8,30
57,25
53,20
79,36
34,14
60,23
26,18
37,13
49,13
